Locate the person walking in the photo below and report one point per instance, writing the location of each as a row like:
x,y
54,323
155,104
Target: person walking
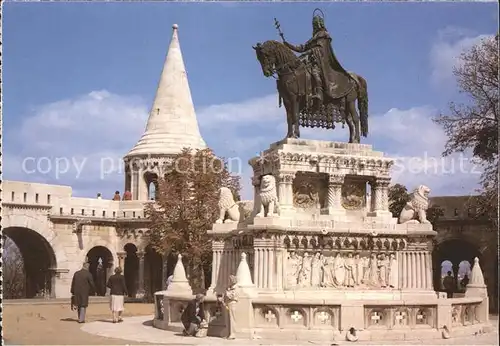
x,y
81,287
449,285
118,291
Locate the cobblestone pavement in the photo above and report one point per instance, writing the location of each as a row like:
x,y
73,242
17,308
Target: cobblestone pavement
x,y
55,324
139,329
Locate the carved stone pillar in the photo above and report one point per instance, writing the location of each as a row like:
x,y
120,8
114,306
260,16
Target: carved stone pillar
x,y
380,196
334,197
384,191
265,269
121,259
217,256
285,191
140,290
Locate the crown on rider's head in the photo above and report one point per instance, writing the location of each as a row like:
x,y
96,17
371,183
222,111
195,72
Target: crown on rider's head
x,y
317,20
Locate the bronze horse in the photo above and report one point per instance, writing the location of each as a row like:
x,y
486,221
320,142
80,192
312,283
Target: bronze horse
x,y
294,86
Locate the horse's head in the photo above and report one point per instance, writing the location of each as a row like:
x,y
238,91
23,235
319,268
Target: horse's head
x,y
266,59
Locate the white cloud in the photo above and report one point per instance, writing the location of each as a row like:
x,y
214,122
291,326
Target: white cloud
x,y
445,53
104,126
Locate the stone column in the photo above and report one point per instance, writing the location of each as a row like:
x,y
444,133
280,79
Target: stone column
x,y
429,271
413,269
140,290
376,201
334,197
285,191
403,274
384,187
217,250
420,270
121,259
264,264
380,196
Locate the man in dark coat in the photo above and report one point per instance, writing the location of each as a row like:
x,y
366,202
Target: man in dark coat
x,y
81,286
193,315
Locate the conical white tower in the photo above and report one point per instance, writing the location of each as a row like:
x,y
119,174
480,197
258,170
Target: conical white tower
x,y
171,126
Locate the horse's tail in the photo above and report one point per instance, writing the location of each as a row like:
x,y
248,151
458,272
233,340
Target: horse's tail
x,y
363,105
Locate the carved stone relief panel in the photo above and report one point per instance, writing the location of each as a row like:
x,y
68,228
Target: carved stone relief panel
x,y
309,191
354,193
341,269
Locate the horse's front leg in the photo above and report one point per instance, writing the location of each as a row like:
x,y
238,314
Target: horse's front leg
x,y
354,116
296,123
289,117
350,124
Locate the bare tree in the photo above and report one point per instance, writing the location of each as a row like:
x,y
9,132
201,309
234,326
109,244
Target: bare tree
x,y
187,206
12,270
473,124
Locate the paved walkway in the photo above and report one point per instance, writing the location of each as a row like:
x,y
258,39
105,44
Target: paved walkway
x,y
140,329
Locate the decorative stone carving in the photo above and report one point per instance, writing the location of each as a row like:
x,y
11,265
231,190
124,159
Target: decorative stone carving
x,y
268,197
317,267
353,195
383,270
371,274
350,264
415,209
401,318
229,210
335,191
338,270
359,267
293,269
305,271
393,271
306,195
78,225
328,272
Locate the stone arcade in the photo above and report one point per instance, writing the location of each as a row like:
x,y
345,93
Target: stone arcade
x,y
325,263
57,232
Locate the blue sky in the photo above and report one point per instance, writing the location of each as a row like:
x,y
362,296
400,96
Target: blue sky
x,y
79,79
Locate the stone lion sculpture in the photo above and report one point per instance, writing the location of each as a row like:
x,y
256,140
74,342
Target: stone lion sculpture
x,y
268,197
415,210
227,207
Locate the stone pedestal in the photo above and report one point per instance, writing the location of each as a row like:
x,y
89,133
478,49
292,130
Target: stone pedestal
x,y
327,265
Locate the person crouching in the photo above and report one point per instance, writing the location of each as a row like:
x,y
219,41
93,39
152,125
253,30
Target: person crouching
x,y
118,291
193,315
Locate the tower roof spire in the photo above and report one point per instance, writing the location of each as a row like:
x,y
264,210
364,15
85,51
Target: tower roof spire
x,y
172,123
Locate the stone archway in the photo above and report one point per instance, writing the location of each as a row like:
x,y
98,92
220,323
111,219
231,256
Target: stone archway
x,y
100,261
151,180
39,261
456,251
131,268
153,271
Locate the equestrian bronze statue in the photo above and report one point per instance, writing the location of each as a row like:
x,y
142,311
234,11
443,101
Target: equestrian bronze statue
x,y
314,87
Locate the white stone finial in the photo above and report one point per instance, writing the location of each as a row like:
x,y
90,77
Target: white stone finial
x,y
179,271
172,123
243,273
179,280
476,275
